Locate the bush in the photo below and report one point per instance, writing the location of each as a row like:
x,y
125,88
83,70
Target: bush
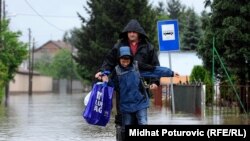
x,y
201,75
3,76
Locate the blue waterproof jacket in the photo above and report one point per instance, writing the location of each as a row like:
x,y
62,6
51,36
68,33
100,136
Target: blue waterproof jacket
x,y
132,96
158,72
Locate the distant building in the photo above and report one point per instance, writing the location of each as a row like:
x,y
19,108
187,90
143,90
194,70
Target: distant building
x,y
51,48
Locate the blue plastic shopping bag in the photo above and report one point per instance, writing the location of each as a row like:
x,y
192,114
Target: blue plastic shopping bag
x,y
99,106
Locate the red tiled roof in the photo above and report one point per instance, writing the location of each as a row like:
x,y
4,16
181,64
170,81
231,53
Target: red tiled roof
x,y
59,44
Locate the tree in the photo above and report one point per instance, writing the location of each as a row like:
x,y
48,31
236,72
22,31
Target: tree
x,y
98,34
64,65
200,75
13,52
229,26
3,76
44,65
192,30
189,24
174,9
61,66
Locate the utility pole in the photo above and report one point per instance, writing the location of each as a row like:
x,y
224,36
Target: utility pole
x,y
32,63
71,75
2,18
4,12
1,45
0,15
30,75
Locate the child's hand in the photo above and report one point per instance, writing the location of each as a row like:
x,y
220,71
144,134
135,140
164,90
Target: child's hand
x,y
105,78
176,74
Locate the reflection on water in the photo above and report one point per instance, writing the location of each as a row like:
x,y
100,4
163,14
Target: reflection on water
x,y
50,117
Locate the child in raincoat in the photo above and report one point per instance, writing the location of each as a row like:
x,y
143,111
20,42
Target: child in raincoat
x,y
133,99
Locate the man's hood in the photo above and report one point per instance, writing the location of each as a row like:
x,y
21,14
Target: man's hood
x,y
135,26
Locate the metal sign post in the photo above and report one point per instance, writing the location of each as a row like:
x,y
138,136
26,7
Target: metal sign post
x,y
168,37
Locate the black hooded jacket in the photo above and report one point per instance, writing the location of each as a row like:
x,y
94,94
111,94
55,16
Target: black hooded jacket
x,y
146,55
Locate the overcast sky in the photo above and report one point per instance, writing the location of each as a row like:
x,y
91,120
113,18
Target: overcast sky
x,y
49,19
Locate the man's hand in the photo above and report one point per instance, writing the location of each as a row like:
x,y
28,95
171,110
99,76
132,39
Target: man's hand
x,y
102,77
98,75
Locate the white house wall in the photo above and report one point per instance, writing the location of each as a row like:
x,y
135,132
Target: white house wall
x,y
182,62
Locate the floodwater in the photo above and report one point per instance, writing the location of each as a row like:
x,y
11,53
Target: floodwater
x,y
58,117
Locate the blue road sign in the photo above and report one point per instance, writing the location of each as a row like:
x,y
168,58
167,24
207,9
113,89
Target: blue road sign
x,y
168,35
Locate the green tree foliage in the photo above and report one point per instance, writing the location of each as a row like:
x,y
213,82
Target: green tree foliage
x,y
44,65
229,24
204,49
192,31
161,15
12,51
64,65
200,75
226,91
3,74
188,22
174,9
61,66
100,32
3,78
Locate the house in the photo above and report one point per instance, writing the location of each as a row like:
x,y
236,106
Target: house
x,y
21,79
51,48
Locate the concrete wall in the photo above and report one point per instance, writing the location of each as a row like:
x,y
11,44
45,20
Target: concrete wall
x,y
21,83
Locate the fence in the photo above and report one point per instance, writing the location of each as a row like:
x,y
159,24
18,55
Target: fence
x,y
225,101
69,86
204,100
41,84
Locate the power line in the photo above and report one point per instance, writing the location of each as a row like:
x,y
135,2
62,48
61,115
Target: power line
x,y
52,16
43,17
